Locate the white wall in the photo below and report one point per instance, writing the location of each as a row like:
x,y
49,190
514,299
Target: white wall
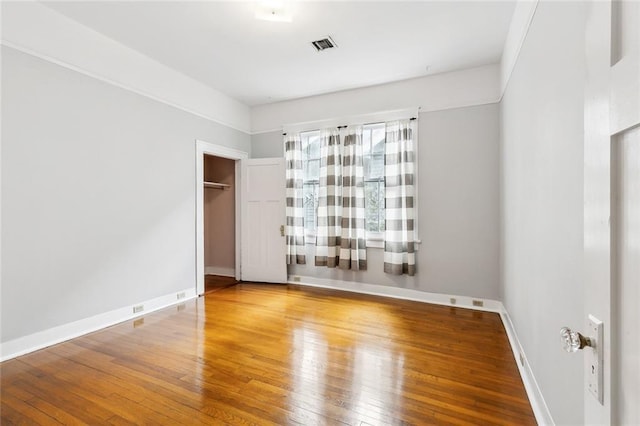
x,y
458,201
266,145
542,200
98,195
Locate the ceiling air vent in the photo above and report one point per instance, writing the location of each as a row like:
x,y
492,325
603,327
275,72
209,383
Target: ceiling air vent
x,y
325,43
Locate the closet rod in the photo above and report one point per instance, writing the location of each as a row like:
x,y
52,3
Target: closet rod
x,y
216,185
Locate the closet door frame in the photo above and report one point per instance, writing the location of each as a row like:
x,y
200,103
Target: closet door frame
x,y
206,148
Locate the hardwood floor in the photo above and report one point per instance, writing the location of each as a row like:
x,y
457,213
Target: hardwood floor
x,y
217,282
276,354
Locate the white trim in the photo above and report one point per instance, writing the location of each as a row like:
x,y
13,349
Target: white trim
x,y
518,30
203,148
61,333
534,394
352,120
262,132
222,151
489,305
375,243
538,404
220,271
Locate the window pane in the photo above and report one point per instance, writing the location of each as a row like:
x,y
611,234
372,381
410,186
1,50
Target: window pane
x,y
304,137
314,145
372,205
366,140
310,145
376,168
312,170
377,138
366,162
310,194
381,206
311,166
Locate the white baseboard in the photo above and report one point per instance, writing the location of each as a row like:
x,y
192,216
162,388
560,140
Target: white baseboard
x,y
539,406
61,333
540,409
488,305
219,270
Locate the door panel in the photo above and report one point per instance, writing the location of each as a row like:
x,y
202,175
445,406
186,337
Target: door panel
x,y
254,227
626,277
276,249
263,247
625,65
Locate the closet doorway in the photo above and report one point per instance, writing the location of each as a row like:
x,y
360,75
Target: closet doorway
x,y
217,215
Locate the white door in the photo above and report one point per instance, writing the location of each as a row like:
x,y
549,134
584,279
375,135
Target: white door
x,y
263,218
612,205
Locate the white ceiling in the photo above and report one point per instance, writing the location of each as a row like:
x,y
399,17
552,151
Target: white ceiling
x,y
222,45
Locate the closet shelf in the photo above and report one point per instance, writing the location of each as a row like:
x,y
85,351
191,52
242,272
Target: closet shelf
x,y
216,185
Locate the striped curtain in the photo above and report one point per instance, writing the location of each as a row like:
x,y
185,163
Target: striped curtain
x,y
295,209
329,231
399,158
353,248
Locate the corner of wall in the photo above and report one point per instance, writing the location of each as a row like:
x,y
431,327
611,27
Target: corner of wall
x,y
538,404
528,282
520,22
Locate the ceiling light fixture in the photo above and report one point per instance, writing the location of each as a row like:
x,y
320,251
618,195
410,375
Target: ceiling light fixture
x,y
273,10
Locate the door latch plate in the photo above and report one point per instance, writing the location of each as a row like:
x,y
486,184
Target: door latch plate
x,y
594,360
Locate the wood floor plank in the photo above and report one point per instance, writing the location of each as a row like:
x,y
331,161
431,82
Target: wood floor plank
x,y
276,354
27,412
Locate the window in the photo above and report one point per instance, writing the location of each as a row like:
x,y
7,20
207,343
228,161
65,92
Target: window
x,y
373,138
311,159
380,212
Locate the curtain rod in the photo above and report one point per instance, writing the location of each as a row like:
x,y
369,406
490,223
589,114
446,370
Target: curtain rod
x,y
342,127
